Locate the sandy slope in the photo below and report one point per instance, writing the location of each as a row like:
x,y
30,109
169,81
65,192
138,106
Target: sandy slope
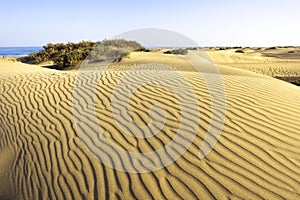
x,y
279,62
41,155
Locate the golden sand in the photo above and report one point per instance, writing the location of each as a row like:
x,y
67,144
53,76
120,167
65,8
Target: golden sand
x,y
42,156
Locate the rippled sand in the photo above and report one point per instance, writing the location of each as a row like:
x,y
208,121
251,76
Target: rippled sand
x,y
42,156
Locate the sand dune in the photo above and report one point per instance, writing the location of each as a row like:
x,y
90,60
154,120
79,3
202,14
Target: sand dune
x,y
42,155
280,62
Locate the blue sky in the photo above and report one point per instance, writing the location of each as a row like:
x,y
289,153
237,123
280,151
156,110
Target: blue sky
x,y
208,22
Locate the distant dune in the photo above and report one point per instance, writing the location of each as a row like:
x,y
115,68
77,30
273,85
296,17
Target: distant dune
x,y
278,62
256,157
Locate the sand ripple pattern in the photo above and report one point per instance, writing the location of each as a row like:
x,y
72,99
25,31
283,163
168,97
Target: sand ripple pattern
x,y
42,156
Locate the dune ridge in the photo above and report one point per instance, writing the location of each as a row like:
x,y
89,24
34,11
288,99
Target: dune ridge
x,y
42,156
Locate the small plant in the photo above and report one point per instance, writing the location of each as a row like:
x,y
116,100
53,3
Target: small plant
x,y
239,51
237,47
296,83
271,48
12,59
177,52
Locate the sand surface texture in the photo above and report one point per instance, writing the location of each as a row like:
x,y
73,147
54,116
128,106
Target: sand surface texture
x,y
42,156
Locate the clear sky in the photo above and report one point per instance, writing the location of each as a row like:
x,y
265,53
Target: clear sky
x,y
208,22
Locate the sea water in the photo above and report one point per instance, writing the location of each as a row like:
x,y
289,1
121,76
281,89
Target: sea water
x,y
18,51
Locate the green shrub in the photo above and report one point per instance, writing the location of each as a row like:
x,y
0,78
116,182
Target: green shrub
x,y
271,48
114,50
177,52
63,55
70,54
239,51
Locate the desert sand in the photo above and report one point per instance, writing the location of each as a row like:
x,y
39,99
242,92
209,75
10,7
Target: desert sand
x,y
278,62
256,157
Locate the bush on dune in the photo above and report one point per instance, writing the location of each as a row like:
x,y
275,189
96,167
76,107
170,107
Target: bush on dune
x,y
121,43
63,55
114,50
271,48
296,82
71,54
239,51
177,51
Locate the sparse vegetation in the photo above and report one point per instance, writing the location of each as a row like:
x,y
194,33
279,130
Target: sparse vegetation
x,y
293,80
237,47
11,59
296,82
70,54
239,51
193,48
271,48
228,48
177,51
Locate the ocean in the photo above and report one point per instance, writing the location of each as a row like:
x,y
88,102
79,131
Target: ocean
x,y
18,51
